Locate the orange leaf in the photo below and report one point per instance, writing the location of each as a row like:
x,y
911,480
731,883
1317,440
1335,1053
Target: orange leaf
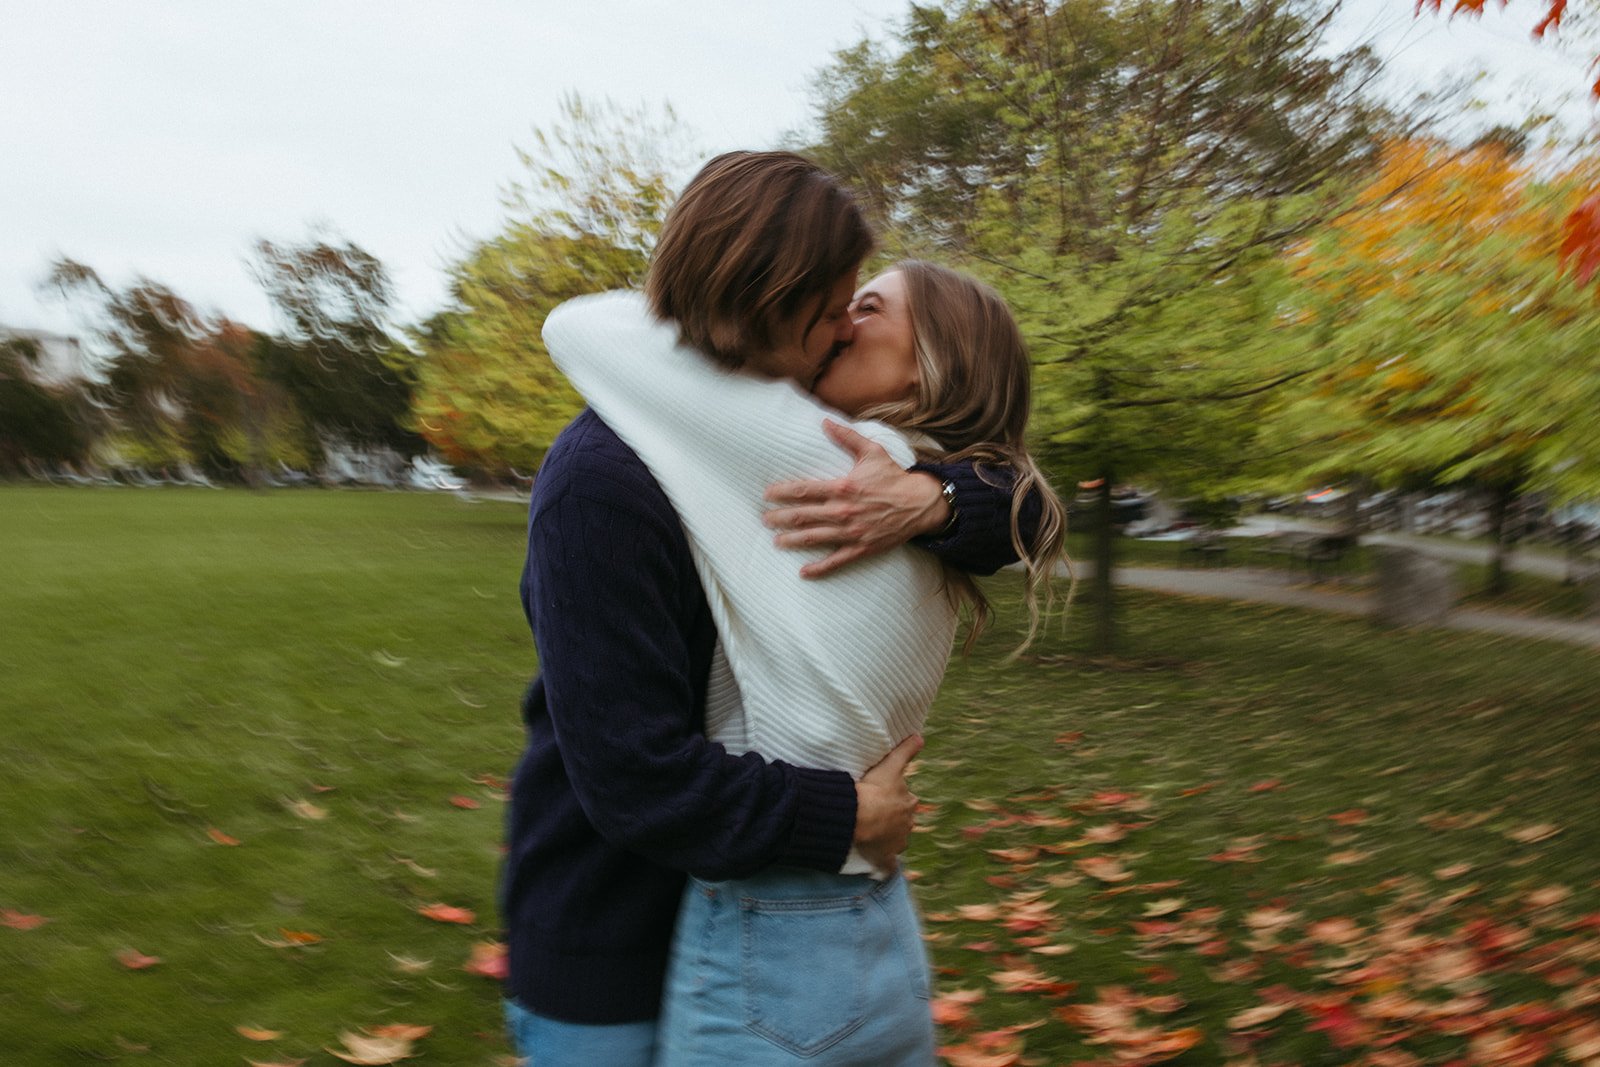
x,y
299,937
19,920
135,960
466,803
403,1031
256,1034
1266,786
444,913
219,837
1104,869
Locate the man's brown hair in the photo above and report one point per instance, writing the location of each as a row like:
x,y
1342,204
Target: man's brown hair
x,y
755,239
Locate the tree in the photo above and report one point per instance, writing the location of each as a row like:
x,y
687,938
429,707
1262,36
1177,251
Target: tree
x,y
337,359
1452,348
41,424
582,220
1579,243
181,387
1127,174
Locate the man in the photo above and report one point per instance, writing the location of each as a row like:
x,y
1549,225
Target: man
x,y
618,793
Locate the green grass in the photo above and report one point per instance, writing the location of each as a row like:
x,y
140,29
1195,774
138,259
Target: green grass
x,y
177,660
182,660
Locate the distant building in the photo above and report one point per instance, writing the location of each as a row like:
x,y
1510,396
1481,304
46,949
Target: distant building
x,y
61,359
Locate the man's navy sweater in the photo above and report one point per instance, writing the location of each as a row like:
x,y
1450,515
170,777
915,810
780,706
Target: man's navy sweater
x,y
618,792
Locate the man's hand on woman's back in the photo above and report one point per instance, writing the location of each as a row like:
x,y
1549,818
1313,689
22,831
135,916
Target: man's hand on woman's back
x,y
886,809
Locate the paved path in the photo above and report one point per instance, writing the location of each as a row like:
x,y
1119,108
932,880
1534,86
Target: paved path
x,y
1273,587
1541,561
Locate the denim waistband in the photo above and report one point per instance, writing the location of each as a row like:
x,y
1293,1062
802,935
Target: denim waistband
x,y
798,883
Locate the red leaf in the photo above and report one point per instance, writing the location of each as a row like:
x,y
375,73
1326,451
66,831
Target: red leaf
x,y
135,960
19,920
488,960
445,913
1580,248
466,803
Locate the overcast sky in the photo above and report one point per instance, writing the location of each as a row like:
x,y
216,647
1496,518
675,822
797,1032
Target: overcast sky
x,y
162,137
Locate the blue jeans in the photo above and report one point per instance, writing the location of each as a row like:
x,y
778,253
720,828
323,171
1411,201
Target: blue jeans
x,y
797,967
546,1042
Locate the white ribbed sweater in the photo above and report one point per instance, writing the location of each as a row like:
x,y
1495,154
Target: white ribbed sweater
x,y
830,673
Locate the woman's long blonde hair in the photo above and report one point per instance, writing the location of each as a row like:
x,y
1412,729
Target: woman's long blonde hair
x,y
973,397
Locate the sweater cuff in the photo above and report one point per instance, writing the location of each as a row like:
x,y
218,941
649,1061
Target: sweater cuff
x,y
824,822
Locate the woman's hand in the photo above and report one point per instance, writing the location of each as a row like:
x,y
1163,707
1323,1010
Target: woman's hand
x,y
876,507
886,809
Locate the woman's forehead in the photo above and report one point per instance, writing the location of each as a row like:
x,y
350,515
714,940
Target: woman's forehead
x,y
890,285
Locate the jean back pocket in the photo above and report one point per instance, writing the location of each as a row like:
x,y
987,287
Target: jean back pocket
x,y
802,970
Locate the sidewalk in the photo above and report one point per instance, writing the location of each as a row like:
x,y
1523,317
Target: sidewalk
x,y
1541,562
1272,587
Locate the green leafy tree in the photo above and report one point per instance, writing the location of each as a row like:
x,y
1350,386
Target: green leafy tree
x,y
1127,174
338,358
39,423
583,219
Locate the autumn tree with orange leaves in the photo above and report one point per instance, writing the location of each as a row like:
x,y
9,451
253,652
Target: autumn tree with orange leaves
x,y
1453,347
1579,239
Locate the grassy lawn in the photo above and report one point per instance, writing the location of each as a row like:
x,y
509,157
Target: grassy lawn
x,y
251,735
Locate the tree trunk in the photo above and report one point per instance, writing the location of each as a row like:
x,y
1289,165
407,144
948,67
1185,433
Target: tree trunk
x,y
1499,508
1105,548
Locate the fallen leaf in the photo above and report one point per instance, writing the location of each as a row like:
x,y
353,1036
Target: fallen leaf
x,y
1266,786
445,913
253,1033
1251,1018
1348,857
1548,897
403,1031
488,960
372,1051
135,960
1538,832
1353,817
466,803
20,920
1103,869
1015,855
954,1009
220,838
306,810
1455,870
1166,906
1108,834
978,912
299,937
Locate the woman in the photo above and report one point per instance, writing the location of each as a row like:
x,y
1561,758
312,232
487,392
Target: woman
x,y
792,965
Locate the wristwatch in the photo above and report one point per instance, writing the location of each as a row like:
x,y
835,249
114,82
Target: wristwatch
x,y
947,489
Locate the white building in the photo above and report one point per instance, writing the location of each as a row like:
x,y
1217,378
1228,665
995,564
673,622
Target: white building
x,y
61,359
